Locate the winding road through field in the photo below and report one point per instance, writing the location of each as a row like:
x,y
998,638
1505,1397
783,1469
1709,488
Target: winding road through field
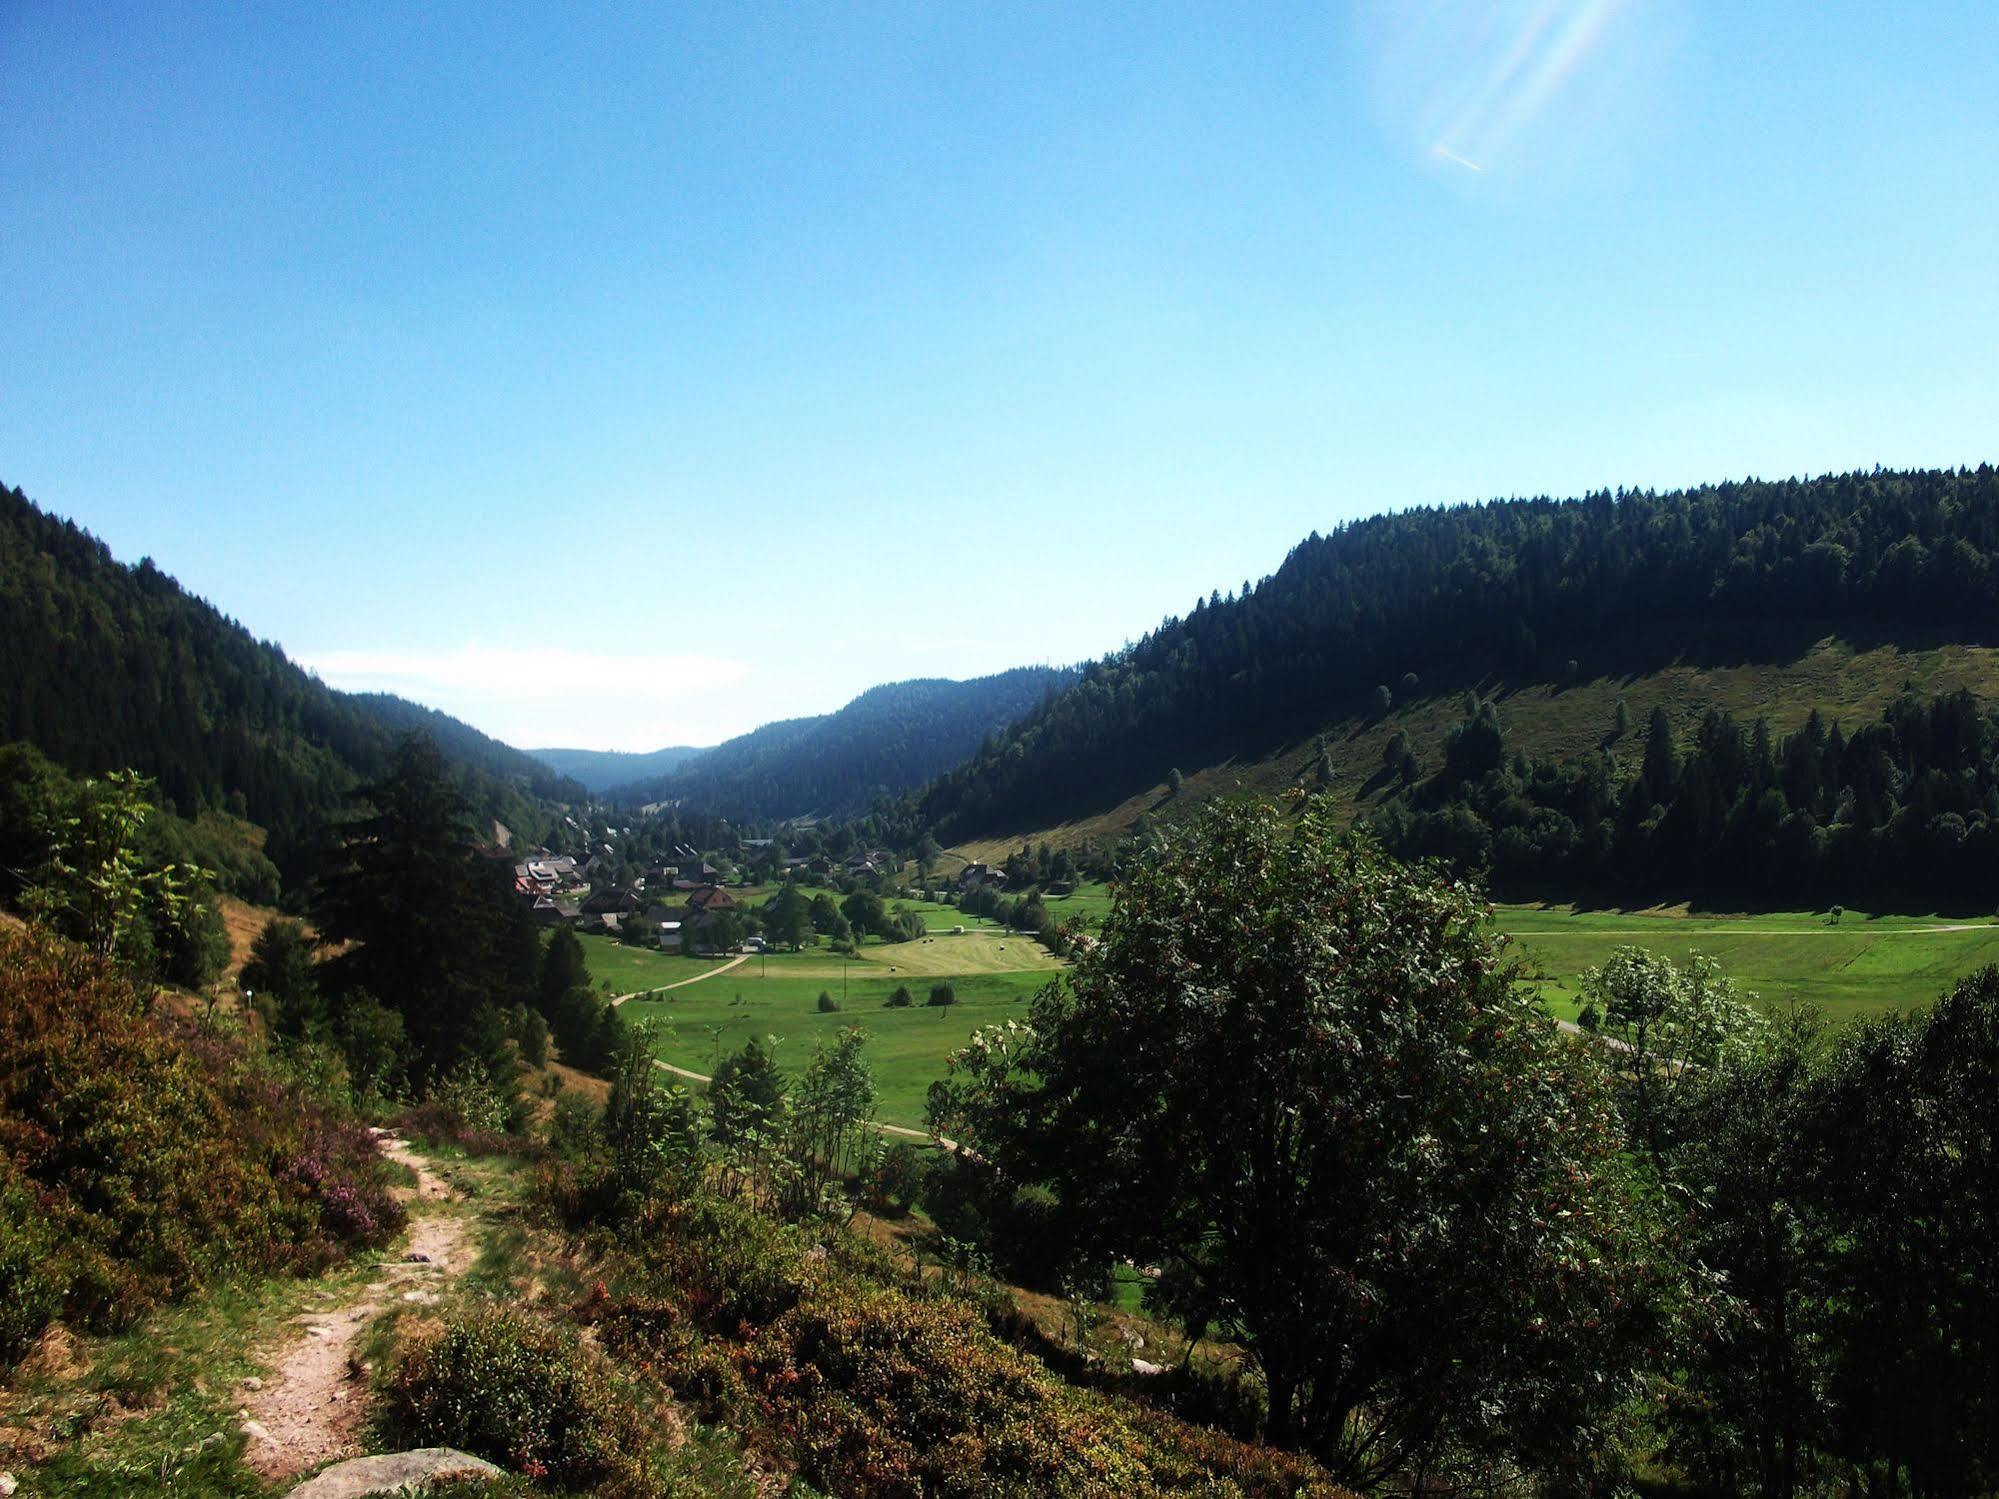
x,y
735,962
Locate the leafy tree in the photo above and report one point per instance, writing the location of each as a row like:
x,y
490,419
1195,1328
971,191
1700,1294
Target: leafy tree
x,y
827,920
788,917
1174,781
1665,1021
900,999
746,1092
1296,1076
1743,1409
94,885
828,1122
942,994
652,1128
1910,1132
721,931
865,912
827,1003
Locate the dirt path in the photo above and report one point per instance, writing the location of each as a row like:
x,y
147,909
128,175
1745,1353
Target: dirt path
x,y
618,999
312,1408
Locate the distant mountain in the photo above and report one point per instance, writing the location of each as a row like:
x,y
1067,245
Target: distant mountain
x,y
109,665
600,770
889,740
1386,612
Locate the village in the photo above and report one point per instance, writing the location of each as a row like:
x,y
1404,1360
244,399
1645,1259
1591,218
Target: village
x,y
686,905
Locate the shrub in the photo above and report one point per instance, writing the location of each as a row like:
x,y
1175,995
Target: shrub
x,y
519,1391
31,1290
827,1003
467,1096
140,1157
898,1180
819,1353
943,994
900,1000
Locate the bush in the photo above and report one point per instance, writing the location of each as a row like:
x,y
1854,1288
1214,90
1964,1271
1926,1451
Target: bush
x,y
827,1003
897,1181
900,1000
819,1353
141,1157
519,1391
468,1097
31,1289
943,994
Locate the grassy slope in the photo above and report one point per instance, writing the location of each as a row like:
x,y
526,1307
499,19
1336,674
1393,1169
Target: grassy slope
x,y
1851,686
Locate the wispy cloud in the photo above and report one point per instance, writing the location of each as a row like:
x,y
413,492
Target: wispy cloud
x,y
541,696
548,672
1444,153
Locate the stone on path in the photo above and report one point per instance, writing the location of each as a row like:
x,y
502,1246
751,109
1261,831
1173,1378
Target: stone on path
x,y
391,1471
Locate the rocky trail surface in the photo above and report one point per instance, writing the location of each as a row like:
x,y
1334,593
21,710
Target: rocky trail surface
x,y
313,1407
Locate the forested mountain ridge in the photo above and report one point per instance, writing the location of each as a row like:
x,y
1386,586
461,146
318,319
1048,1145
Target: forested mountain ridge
x,y
112,665
600,770
889,740
1386,609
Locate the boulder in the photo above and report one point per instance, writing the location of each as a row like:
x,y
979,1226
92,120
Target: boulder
x,y
388,1472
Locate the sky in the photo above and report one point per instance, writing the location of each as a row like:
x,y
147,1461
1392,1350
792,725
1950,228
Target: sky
x,y
628,376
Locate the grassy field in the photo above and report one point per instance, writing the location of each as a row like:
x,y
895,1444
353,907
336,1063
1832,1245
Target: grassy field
x,y
906,1048
1865,965
627,969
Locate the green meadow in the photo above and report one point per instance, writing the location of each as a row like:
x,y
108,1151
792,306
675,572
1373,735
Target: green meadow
x,y
1863,965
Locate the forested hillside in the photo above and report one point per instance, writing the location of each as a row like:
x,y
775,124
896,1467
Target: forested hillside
x,y
597,771
888,740
1390,609
112,666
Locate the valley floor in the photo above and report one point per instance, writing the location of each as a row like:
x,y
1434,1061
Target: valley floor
x,y
1863,965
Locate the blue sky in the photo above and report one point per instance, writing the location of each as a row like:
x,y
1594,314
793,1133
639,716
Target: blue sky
x,y
631,376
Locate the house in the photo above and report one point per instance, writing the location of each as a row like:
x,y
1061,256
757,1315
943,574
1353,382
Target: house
x,y
610,901
549,910
706,898
672,936
972,876
822,867
546,871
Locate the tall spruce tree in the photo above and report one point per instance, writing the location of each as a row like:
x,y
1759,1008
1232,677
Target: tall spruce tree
x,y
405,891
